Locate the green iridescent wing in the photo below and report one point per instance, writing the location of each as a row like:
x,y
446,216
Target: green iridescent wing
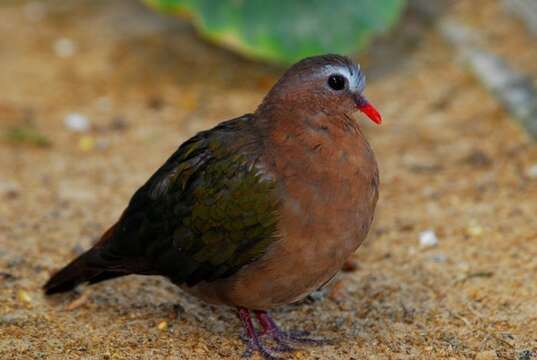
x,y
207,212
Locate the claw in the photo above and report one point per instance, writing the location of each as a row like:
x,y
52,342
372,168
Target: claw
x,y
282,337
270,330
302,337
252,347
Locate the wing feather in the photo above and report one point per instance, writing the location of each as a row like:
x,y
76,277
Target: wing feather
x,y
208,211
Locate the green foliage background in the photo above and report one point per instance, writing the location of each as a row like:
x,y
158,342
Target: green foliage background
x,y
285,31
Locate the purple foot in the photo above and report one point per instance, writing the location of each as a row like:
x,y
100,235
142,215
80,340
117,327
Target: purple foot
x,y
252,338
283,338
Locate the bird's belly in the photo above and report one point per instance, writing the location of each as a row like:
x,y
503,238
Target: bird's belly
x,y
316,237
280,278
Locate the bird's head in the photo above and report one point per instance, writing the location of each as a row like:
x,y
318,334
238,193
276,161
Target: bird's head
x,y
330,84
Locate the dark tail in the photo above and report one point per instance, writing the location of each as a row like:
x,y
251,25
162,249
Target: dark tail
x,y
85,268
96,265
88,267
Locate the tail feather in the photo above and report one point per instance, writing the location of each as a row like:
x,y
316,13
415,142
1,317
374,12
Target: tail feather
x,y
83,269
88,267
96,265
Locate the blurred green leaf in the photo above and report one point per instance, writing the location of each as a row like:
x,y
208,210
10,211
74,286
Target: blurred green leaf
x,y
286,31
27,135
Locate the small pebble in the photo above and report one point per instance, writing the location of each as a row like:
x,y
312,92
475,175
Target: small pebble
x,y
155,103
438,257
6,276
118,123
17,317
23,296
86,143
317,295
486,355
532,171
64,47
103,103
526,355
163,326
428,191
349,266
478,158
78,302
9,188
102,144
428,238
77,122
474,230
337,292
34,11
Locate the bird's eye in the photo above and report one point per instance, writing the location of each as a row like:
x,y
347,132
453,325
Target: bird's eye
x,y
337,82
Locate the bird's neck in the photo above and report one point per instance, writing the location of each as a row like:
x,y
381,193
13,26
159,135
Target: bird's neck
x,y
298,120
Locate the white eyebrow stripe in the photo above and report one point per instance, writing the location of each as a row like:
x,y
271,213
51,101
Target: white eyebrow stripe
x,y
331,69
356,80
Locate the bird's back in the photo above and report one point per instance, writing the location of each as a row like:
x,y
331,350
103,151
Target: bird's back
x,y
204,214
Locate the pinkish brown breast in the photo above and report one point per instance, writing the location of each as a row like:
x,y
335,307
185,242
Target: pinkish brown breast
x,y
327,180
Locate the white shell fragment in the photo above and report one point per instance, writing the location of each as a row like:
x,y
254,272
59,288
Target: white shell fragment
x,y
77,122
428,238
64,47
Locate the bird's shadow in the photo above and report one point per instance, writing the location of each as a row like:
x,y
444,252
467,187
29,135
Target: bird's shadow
x,y
338,319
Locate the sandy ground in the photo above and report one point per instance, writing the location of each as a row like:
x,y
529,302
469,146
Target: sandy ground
x,y
451,161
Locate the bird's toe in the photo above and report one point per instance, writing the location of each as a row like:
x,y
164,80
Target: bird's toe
x,y
252,347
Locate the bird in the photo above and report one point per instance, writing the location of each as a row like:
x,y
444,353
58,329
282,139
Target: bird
x,y
257,212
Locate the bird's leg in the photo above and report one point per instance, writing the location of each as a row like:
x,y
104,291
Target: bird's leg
x,y
252,341
284,337
271,329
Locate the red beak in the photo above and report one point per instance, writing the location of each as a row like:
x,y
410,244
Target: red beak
x,y
368,109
